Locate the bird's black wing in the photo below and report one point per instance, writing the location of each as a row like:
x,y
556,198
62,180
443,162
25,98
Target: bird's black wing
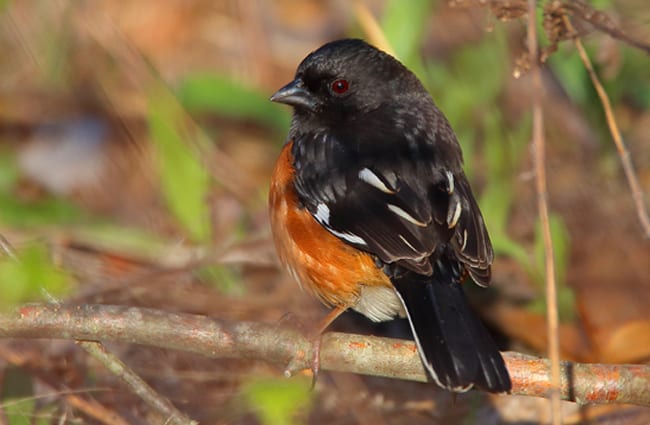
x,y
396,199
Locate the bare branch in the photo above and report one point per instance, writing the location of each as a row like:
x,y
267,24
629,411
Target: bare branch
x,y
621,148
584,383
157,402
539,160
80,400
601,21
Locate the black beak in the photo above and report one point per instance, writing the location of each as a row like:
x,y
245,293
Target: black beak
x,y
295,94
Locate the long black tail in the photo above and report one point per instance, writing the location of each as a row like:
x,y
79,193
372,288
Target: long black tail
x,y
454,345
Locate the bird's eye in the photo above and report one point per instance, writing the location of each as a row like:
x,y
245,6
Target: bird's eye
x,y
340,86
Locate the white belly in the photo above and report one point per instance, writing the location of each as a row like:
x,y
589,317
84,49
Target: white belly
x,y
379,303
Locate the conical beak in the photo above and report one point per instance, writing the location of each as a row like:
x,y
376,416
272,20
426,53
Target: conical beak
x,y
295,94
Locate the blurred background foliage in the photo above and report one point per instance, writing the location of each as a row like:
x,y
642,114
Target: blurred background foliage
x,y
136,142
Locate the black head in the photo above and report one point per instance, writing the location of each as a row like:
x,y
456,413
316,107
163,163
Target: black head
x,y
346,77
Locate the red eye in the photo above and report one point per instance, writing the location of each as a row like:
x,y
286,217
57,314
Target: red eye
x,y
340,86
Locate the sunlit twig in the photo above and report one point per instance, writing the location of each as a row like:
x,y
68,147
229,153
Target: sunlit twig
x,y
371,27
76,399
542,205
160,404
623,153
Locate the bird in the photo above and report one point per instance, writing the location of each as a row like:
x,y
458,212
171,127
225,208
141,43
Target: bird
x,y
371,210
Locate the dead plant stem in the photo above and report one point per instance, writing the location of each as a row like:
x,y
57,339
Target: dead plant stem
x,y
542,205
624,154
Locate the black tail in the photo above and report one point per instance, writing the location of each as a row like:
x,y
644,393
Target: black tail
x,y
454,346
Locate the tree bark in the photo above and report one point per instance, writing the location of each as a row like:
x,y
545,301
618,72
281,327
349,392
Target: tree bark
x,y
393,358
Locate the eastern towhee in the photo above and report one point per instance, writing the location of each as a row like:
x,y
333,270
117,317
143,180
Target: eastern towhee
x,y
371,209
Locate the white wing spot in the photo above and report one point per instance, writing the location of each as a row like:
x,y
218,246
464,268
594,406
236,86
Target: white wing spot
x,y
407,243
462,247
371,178
453,219
350,237
323,217
450,180
406,216
323,214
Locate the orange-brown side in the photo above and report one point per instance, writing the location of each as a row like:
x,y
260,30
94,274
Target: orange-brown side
x,y
320,261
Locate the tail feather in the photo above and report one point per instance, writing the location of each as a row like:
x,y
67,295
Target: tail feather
x,y
454,345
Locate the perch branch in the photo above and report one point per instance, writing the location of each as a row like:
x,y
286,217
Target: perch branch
x,y
583,383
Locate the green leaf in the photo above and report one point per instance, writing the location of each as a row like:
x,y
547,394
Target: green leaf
x,y
30,276
468,89
19,411
495,202
184,180
631,82
18,401
15,212
220,95
278,401
571,74
8,171
502,153
601,4
403,23
132,242
226,279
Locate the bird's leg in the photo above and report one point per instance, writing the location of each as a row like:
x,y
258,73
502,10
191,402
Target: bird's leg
x,y
317,337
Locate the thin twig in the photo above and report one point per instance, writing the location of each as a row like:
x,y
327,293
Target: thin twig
x,y
624,154
84,402
371,27
136,384
6,249
601,21
161,405
542,206
393,358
